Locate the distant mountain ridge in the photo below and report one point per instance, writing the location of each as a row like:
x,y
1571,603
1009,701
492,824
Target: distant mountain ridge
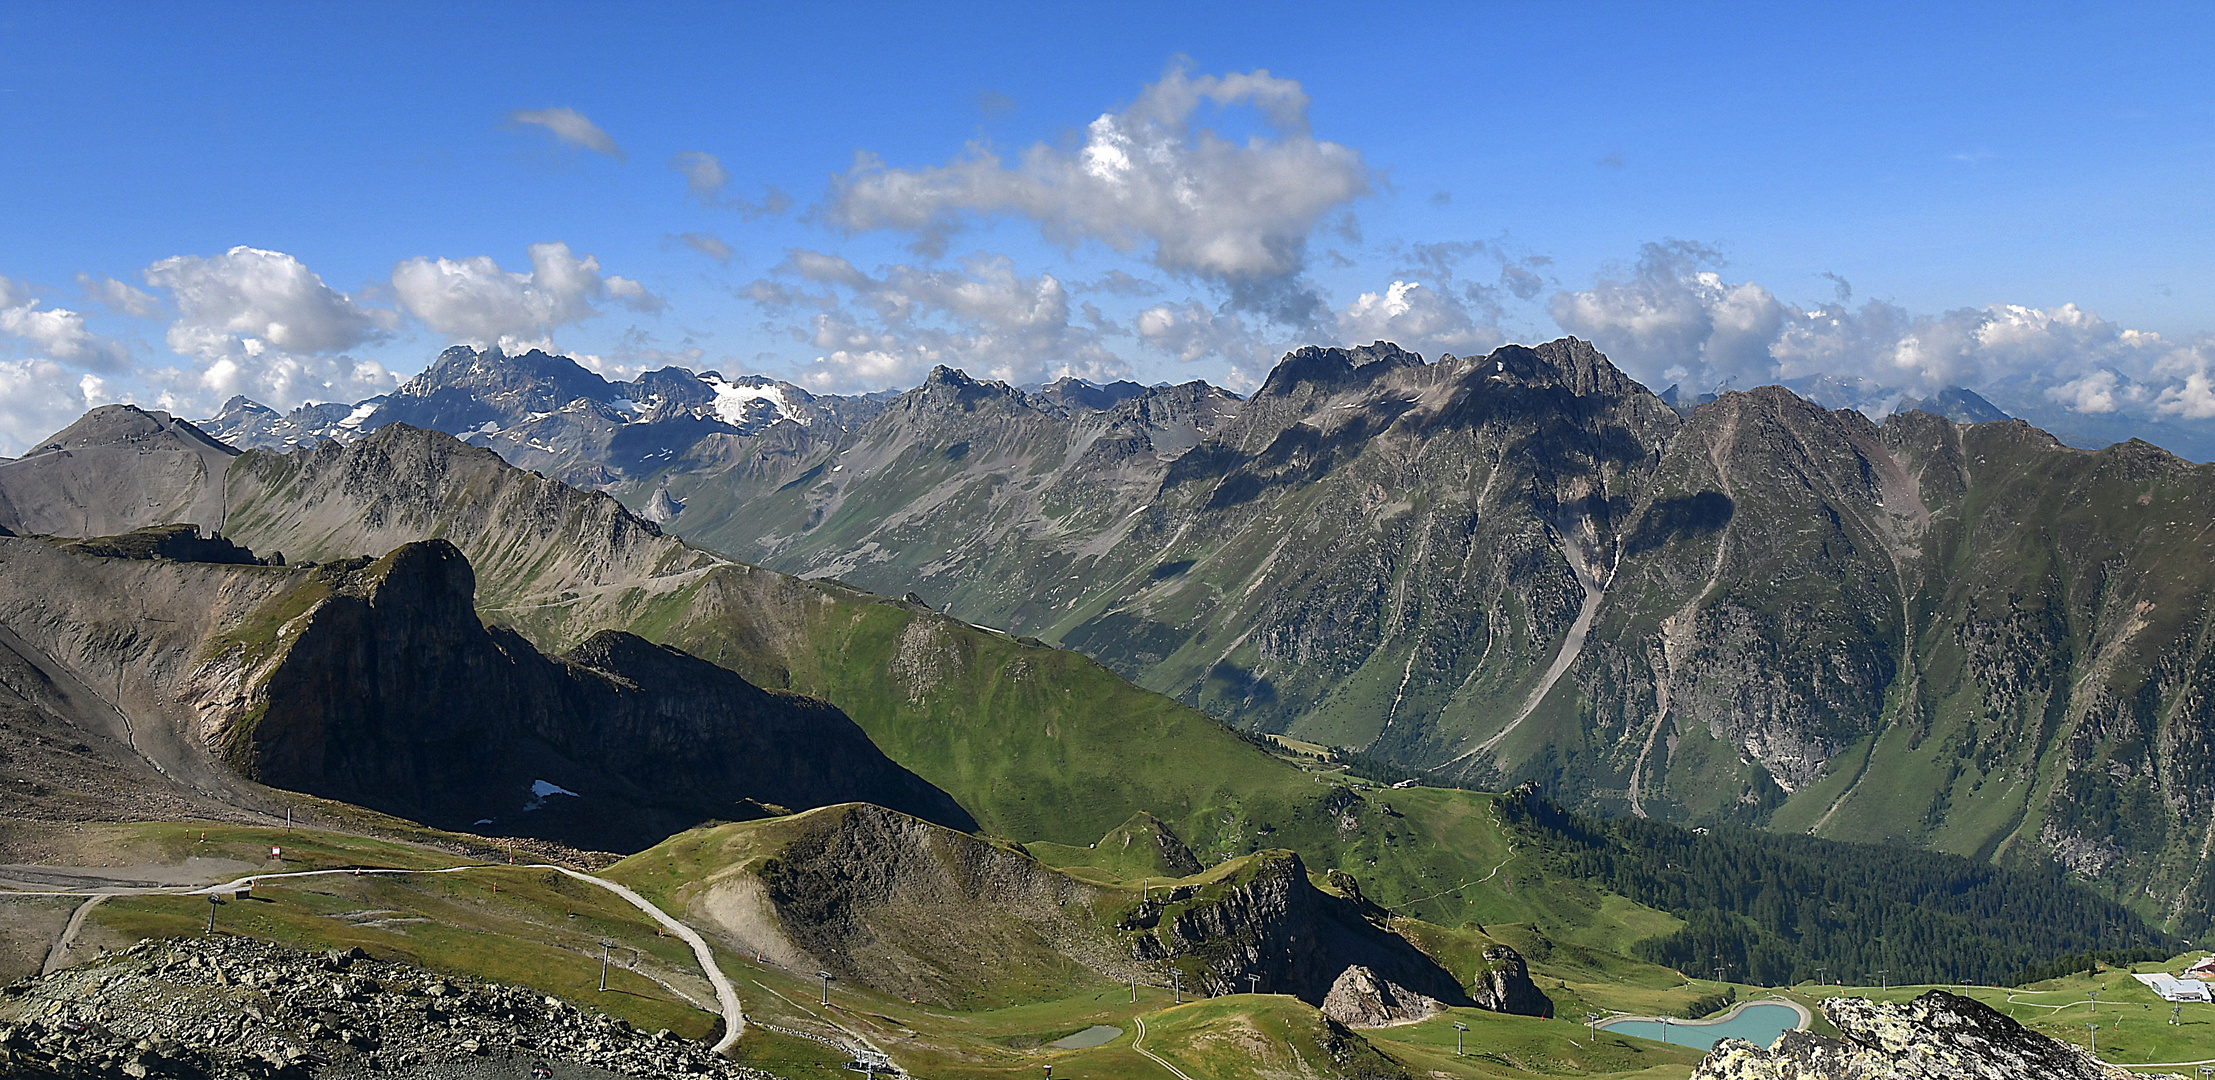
x,y
549,413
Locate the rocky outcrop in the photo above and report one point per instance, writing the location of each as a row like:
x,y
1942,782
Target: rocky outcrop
x,y
1266,927
388,693
1505,985
1938,1036
180,542
919,911
1360,999
226,1008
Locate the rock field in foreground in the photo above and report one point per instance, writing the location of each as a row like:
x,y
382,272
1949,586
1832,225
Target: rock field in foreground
x,y
225,1007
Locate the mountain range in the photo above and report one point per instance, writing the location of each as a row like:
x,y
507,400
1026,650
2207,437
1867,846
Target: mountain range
x,y
1946,628
881,776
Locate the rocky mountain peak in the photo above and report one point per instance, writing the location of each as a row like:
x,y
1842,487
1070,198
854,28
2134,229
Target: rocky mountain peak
x,y
121,425
1071,392
951,388
1329,368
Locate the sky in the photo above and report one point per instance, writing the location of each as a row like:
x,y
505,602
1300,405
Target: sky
x,y
307,202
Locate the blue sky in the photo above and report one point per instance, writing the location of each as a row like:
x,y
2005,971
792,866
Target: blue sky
x,y
302,202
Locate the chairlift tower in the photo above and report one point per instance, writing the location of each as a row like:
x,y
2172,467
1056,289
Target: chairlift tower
x,y
1459,1029
826,977
1592,1028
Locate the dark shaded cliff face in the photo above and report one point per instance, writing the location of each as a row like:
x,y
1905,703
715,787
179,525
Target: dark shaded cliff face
x,y
1270,923
393,696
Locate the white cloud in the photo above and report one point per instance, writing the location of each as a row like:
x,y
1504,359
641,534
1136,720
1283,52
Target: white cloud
x,y
40,397
1672,318
1415,318
260,323
889,329
58,333
280,380
248,301
473,299
119,297
1236,214
1191,332
570,126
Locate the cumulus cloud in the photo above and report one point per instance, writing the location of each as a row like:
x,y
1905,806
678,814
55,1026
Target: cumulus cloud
x,y
57,333
706,179
1416,318
40,397
888,328
277,379
119,297
260,323
473,299
1673,317
1236,214
250,301
1191,332
570,126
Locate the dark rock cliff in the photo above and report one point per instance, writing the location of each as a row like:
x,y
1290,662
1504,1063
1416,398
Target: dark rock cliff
x,y
395,697
1269,923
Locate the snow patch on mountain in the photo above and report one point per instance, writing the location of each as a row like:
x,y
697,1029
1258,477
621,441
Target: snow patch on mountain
x,y
732,400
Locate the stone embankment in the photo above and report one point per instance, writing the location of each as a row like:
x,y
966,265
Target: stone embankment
x,y
232,1008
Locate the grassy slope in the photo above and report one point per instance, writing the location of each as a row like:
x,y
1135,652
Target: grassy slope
x,y
527,927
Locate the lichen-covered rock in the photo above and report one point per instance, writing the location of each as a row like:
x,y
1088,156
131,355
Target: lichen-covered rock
x,y
1938,1036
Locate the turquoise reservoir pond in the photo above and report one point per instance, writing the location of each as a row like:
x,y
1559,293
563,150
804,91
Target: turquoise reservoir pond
x,y
1758,1023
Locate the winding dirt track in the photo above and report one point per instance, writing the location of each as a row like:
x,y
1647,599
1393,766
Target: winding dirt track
x,y
1150,1055
726,995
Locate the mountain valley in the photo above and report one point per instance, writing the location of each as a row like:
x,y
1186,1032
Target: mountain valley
x,y
1523,569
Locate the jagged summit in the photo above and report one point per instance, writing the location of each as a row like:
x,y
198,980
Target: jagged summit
x,y
1075,393
1332,368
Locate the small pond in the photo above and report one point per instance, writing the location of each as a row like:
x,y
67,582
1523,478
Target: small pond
x,y
1759,1023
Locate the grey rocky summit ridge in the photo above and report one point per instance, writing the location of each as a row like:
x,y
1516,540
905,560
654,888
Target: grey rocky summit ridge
x,y
1938,1036
228,1008
117,468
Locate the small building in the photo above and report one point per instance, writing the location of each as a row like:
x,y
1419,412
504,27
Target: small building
x,y
2172,988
